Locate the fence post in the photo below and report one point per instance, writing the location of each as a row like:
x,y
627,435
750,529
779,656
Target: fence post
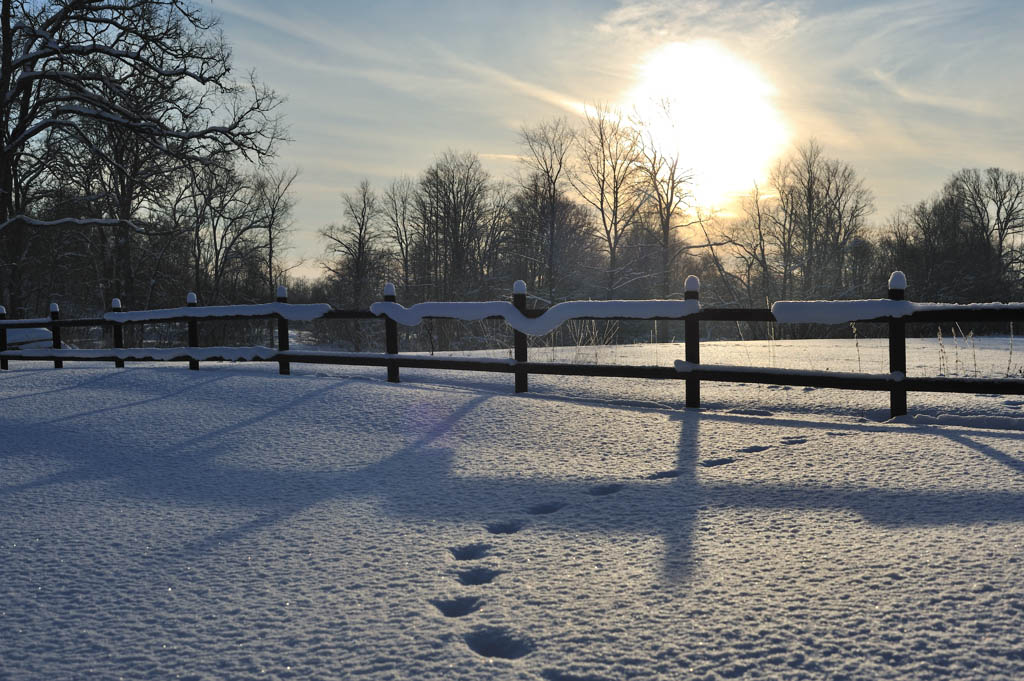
x,y
898,348
3,339
519,338
193,330
391,334
115,306
283,367
55,332
692,339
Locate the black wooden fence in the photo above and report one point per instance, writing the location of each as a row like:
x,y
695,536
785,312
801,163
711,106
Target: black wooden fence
x,y
896,383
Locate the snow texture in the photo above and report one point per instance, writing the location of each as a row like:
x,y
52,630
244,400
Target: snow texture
x,y
230,523
552,318
519,287
389,289
842,311
692,283
898,281
302,313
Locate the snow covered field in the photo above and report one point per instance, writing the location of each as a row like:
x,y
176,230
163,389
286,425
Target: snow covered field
x,y
157,523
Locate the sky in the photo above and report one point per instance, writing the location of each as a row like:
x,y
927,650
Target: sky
x,y
905,92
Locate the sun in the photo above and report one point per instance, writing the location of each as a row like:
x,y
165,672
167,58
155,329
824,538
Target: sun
x,y
715,111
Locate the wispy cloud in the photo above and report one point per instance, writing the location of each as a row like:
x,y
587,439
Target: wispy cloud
x,y
501,79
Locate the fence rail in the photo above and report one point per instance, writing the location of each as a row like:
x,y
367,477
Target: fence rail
x,y
690,370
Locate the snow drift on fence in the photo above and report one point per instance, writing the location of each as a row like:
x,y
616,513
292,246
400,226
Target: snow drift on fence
x,y
842,311
293,312
550,320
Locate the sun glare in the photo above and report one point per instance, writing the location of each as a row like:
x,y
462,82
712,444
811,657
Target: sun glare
x,y
715,111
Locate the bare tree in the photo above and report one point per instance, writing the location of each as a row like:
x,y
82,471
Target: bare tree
x,y
398,204
822,207
666,187
352,245
70,66
606,176
548,147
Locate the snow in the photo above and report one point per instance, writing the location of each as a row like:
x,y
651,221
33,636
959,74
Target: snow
x,y
282,292
552,318
24,338
115,304
191,298
293,312
519,287
228,354
229,522
692,283
897,281
389,289
54,307
842,311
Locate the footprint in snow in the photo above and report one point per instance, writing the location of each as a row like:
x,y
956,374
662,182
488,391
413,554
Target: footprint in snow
x,y
458,607
499,642
754,448
794,440
546,508
604,490
717,462
505,527
470,551
1014,403
476,576
661,475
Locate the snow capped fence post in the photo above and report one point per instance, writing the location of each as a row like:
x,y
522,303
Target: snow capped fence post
x,y
55,332
3,339
193,330
692,339
898,348
519,338
115,306
283,367
391,334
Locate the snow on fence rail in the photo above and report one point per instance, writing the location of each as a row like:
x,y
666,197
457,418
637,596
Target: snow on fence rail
x,y
894,311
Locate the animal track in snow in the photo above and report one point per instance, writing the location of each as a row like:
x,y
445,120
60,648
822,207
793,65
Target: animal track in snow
x,y
754,448
794,440
470,551
547,507
476,576
717,462
505,527
1014,403
660,475
604,490
498,642
458,607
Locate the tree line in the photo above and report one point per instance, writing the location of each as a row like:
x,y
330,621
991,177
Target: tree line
x,y
599,211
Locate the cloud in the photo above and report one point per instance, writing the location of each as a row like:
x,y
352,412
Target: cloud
x,y
506,81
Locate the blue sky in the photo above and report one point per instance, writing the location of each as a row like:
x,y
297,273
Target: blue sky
x,y
906,92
